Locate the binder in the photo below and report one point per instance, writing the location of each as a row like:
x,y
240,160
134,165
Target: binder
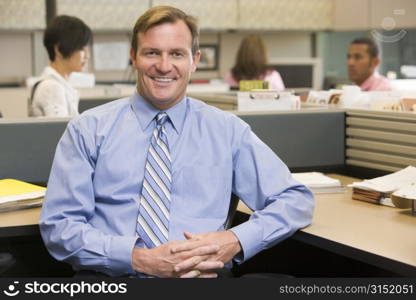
x,y
16,194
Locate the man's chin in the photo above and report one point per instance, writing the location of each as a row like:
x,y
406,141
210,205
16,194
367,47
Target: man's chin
x,y
163,102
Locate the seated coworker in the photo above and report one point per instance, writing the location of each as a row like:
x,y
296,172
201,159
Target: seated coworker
x,y
251,64
66,39
141,186
362,61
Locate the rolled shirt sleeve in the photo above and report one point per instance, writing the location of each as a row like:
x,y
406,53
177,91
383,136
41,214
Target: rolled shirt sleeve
x,y
263,182
69,204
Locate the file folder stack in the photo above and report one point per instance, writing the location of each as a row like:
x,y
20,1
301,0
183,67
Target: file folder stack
x,y
15,194
380,189
371,196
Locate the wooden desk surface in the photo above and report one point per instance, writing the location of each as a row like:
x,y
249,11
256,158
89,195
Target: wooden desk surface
x,y
371,233
367,232
20,222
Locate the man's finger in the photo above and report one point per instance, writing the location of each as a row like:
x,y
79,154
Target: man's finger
x,y
198,262
191,274
189,263
189,236
209,265
208,275
185,246
195,248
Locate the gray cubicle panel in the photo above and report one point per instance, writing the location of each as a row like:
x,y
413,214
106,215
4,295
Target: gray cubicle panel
x,y
27,148
302,139
90,103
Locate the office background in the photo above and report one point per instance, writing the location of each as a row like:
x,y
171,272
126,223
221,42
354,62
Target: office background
x,y
293,31
316,29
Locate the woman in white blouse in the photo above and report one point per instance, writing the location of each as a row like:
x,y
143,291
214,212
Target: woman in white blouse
x,y
66,39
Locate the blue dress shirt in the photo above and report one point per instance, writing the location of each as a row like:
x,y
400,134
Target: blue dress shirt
x,y
92,202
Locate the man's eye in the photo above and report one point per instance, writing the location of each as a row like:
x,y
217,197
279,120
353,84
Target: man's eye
x,y
177,54
150,53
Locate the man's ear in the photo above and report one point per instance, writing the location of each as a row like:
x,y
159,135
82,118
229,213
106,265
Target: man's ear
x,y
375,61
133,57
196,57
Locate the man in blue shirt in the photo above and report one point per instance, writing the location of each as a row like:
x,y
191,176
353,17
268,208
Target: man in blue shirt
x,y
141,186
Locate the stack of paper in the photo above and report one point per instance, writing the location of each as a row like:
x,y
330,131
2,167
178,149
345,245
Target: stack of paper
x,y
379,190
319,183
15,194
405,197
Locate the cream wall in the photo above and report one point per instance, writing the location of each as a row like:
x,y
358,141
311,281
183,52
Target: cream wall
x,y
15,56
18,61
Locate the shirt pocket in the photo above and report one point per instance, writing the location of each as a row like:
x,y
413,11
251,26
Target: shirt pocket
x,y
204,192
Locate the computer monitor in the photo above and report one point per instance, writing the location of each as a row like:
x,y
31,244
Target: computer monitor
x,y
299,74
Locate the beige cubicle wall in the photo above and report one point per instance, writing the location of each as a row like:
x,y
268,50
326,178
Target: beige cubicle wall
x,y
14,102
382,140
224,100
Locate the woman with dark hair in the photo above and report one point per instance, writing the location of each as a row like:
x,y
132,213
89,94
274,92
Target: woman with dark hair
x,y
66,39
251,64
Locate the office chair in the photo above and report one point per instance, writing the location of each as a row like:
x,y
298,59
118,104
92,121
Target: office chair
x,y
231,211
6,262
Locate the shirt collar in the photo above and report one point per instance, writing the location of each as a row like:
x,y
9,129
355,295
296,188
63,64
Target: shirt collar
x,y
366,85
146,112
51,72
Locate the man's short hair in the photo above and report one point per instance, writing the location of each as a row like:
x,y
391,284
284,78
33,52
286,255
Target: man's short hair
x,y
68,33
165,14
372,47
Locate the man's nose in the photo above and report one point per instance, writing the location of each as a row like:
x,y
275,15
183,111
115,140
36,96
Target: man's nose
x,y
164,64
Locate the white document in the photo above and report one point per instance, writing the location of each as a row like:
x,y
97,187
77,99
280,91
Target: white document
x,y
316,180
267,100
319,183
111,56
389,183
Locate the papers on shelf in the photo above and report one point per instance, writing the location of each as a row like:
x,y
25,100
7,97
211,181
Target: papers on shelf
x,y
380,189
15,194
319,183
267,100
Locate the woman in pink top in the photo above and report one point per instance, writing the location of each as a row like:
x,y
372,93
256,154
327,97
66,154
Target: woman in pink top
x,y
251,64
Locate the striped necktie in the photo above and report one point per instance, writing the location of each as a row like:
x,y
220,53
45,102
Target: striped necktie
x,y
153,219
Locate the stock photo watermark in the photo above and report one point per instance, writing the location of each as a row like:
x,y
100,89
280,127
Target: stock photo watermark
x,y
390,33
69,288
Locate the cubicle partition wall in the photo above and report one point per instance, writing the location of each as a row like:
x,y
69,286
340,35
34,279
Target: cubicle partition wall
x,y
380,140
303,139
28,146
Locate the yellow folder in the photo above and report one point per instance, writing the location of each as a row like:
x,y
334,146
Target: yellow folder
x,y
12,190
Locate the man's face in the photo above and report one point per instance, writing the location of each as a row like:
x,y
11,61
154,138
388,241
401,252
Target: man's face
x,y
164,63
360,64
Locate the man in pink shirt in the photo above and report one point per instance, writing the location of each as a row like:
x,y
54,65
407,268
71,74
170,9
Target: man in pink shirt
x,y
362,61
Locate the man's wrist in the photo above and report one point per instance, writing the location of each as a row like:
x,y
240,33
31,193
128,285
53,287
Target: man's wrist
x,y
236,242
139,260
